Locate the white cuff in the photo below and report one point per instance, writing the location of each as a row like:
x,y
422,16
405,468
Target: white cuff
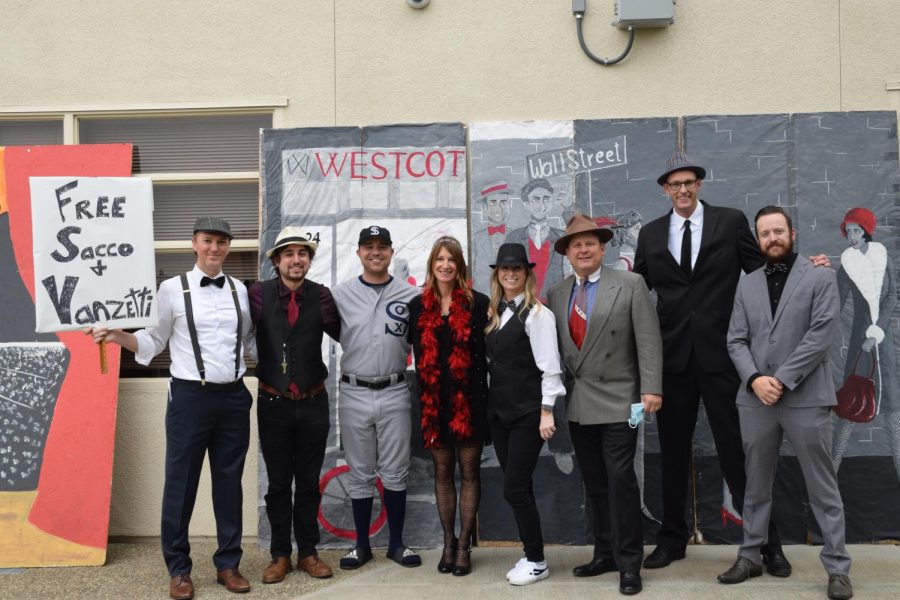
x,y
874,331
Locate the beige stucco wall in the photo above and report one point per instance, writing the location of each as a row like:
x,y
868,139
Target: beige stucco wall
x,y
354,62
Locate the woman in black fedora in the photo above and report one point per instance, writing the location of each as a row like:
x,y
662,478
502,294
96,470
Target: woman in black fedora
x,y
447,336
525,380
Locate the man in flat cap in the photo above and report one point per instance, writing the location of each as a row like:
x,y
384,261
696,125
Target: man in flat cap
x,y
374,409
204,319
291,314
610,345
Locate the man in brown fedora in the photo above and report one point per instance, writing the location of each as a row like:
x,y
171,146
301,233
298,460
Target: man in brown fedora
x,y
693,257
609,341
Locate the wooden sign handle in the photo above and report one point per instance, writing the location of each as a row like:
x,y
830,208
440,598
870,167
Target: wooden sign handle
x,y
104,367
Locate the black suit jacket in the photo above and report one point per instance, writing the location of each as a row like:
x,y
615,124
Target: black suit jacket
x,y
694,313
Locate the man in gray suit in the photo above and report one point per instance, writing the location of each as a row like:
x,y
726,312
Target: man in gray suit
x,y
609,340
784,320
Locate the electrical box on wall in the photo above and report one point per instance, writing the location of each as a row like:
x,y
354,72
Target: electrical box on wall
x,y
644,13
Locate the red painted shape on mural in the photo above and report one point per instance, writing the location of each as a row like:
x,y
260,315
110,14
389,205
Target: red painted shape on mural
x,y
76,474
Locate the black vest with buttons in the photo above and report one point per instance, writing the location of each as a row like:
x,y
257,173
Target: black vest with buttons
x,y
300,347
515,381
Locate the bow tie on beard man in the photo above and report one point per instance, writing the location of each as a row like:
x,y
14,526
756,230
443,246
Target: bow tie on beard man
x,y
779,267
219,282
511,305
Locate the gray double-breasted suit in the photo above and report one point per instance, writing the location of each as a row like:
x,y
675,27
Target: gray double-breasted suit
x,y
620,359
791,345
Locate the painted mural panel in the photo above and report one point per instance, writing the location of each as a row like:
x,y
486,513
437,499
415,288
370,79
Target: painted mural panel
x,y
56,440
333,182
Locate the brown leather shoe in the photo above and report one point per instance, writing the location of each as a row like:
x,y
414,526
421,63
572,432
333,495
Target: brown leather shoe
x,y
181,587
233,581
315,566
276,572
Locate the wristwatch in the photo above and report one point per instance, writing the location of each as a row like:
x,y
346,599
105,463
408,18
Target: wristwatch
x,y
547,408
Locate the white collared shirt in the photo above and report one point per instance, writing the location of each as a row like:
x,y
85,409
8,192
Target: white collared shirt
x,y
676,231
540,327
593,277
216,321
538,233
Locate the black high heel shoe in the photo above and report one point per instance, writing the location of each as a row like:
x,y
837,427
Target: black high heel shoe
x,y
446,564
463,564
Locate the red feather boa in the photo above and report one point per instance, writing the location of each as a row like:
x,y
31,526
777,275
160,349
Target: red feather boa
x,y
429,369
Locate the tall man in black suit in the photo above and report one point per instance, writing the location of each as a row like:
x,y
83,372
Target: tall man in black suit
x,y
693,257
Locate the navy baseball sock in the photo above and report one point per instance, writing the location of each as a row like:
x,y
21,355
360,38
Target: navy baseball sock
x,y
362,517
395,505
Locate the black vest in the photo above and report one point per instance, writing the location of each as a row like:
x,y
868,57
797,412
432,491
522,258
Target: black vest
x,y
515,382
299,347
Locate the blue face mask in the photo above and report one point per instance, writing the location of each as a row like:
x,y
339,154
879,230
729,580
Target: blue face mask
x,y
637,416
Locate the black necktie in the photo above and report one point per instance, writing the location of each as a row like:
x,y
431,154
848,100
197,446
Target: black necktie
x,y
772,268
686,249
511,305
218,281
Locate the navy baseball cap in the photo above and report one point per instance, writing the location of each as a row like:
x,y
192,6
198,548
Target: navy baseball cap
x,y
375,232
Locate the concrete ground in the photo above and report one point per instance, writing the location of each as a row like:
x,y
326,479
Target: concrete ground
x,y
136,572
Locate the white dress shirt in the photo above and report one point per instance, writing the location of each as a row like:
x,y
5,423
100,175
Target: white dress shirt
x,y
676,232
216,321
540,326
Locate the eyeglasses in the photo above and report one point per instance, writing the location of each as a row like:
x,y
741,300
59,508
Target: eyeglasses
x,y
690,184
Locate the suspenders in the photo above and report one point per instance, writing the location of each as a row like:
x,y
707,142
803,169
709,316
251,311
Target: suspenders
x,y
189,313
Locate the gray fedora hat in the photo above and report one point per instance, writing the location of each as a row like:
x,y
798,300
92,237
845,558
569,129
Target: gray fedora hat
x,y
681,162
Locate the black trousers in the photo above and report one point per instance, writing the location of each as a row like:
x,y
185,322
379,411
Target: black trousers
x,y
212,418
605,456
518,445
676,421
292,436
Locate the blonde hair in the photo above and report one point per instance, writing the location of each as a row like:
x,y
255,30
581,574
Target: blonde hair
x,y
452,245
531,299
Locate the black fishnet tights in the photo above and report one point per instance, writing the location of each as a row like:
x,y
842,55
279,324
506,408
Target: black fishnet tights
x,y
468,456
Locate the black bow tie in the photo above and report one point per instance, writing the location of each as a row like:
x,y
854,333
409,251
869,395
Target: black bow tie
x,y
772,268
511,305
218,281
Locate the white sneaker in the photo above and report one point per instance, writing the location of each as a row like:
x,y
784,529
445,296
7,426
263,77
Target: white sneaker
x,y
516,567
529,572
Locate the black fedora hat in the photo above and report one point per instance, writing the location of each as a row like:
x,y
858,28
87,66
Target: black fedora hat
x,y
512,255
681,162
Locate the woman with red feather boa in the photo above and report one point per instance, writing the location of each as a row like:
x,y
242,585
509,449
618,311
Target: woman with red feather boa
x,y
447,336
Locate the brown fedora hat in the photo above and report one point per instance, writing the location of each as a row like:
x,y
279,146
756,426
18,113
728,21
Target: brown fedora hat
x,y
581,224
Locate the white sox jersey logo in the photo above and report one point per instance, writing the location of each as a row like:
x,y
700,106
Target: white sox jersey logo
x,y
396,312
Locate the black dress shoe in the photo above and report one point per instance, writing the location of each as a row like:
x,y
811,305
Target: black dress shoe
x,y
630,583
445,565
663,556
740,571
598,566
776,564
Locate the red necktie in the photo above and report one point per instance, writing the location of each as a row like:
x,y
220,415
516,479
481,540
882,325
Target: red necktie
x,y
497,229
578,316
293,313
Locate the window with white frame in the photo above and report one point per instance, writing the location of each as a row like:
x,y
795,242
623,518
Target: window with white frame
x,y
202,162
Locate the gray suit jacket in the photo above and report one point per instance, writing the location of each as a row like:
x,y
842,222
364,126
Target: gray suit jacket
x,y
791,346
621,357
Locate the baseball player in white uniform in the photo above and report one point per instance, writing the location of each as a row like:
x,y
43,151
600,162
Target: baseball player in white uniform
x,y
374,405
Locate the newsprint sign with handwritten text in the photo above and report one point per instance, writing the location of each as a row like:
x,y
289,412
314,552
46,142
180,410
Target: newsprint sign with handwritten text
x,y
93,252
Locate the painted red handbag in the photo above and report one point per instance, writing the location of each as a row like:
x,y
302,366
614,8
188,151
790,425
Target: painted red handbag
x,y
856,398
